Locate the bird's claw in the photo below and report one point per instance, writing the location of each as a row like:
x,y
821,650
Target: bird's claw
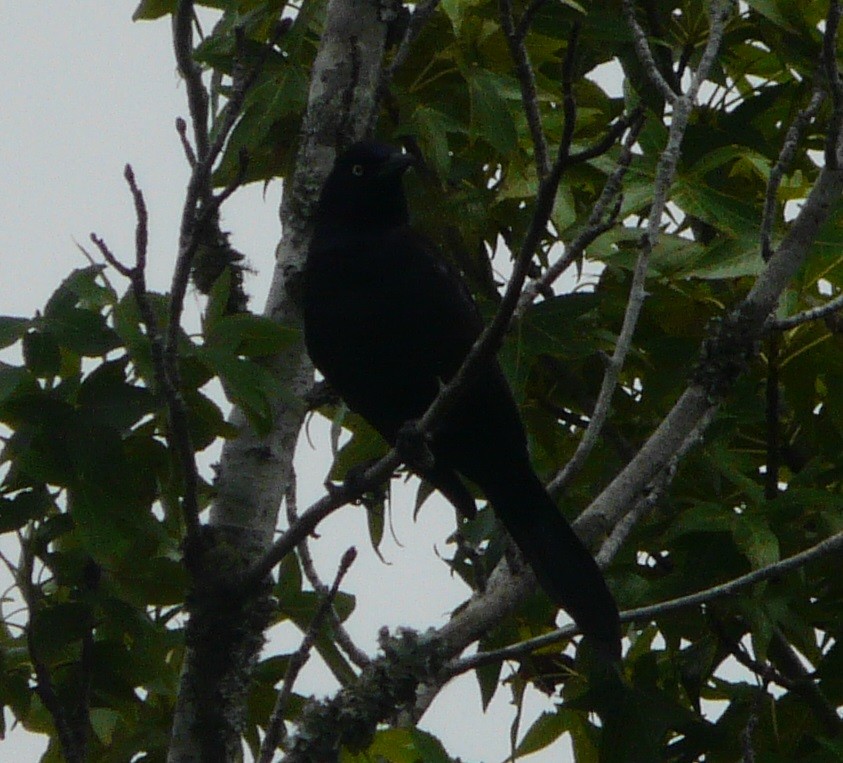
x,y
355,477
414,446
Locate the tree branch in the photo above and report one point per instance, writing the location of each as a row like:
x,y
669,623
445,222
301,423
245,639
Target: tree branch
x,y
785,158
835,86
831,545
596,224
682,107
178,433
72,739
275,731
341,635
527,82
815,313
423,11
645,55
197,95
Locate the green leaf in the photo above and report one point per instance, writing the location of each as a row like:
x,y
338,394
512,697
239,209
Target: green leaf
x,y
81,288
247,384
251,335
431,128
756,541
491,119
57,626
148,10
110,400
12,329
82,331
547,326
734,216
41,354
401,746
104,722
544,731
457,9
25,506
12,378
770,9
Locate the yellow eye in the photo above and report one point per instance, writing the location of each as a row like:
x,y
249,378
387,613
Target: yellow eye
x,y
357,170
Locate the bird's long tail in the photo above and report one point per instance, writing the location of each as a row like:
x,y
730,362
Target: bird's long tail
x,y
562,564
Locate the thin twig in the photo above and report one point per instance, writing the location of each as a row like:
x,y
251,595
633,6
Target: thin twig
x,y
835,86
200,209
275,731
748,731
423,11
815,313
831,545
527,18
178,432
789,662
197,95
645,55
181,129
620,532
527,82
336,498
785,158
569,101
596,224
764,670
44,686
342,636
682,107
614,132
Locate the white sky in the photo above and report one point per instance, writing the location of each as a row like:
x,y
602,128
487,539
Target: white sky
x,y
85,91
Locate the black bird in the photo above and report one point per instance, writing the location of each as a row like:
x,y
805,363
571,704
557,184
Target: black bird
x,y
386,321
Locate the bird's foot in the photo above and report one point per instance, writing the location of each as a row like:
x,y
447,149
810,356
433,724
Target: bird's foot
x,y
355,476
414,446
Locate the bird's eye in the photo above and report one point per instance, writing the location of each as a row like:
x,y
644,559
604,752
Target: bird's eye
x,y
357,170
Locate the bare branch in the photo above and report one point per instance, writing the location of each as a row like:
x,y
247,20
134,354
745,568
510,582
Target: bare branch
x,y
788,151
423,11
341,635
612,135
527,18
764,670
835,86
181,129
620,532
569,103
815,313
596,224
682,107
527,81
142,225
275,730
645,55
336,498
786,659
197,95
71,739
831,545
178,434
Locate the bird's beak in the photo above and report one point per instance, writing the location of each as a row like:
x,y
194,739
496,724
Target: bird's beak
x,y
396,164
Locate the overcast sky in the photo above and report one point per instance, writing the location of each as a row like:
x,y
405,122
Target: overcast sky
x,y
86,90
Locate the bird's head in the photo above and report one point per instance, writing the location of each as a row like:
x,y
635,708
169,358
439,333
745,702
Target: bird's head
x,y
364,188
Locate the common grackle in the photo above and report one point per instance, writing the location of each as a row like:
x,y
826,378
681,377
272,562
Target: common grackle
x,y
386,322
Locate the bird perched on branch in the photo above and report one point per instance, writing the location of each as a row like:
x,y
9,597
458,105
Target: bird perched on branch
x,y
387,322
